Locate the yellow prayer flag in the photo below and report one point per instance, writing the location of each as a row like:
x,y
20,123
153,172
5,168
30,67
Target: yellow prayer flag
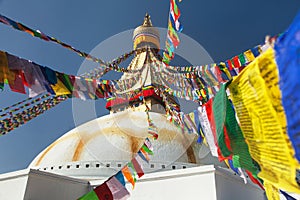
x,y
60,89
6,76
227,163
257,100
210,91
222,67
249,55
271,192
204,138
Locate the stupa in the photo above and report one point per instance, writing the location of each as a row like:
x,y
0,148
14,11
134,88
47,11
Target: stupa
x,y
87,155
100,147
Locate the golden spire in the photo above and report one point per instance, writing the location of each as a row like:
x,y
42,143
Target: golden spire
x,y
147,21
146,33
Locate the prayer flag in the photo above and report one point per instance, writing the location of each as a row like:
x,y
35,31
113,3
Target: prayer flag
x,y
60,89
230,138
6,76
89,196
287,196
17,85
103,192
127,174
120,177
50,75
207,131
236,62
138,167
15,63
119,192
287,58
175,9
242,59
255,180
257,99
249,55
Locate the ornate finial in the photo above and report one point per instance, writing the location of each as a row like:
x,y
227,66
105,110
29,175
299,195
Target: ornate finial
x,y
147,20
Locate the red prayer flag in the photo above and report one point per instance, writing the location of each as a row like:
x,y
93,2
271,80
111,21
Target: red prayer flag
x,y
254,180
229,64
210,116
103,192
236,62
17,85
175,9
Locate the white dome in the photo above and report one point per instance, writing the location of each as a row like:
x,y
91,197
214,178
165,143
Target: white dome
x,y
114,139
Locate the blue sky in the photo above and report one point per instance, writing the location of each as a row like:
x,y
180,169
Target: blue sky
x,y
224,28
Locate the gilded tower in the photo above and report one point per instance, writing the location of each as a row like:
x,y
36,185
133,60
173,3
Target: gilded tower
x,y
146,42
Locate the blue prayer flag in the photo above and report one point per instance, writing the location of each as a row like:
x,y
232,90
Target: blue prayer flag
x,y
288,60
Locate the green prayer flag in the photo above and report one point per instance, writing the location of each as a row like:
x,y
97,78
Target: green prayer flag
x,y
147,149
242,59
219,111
89,196
225,118
68,82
